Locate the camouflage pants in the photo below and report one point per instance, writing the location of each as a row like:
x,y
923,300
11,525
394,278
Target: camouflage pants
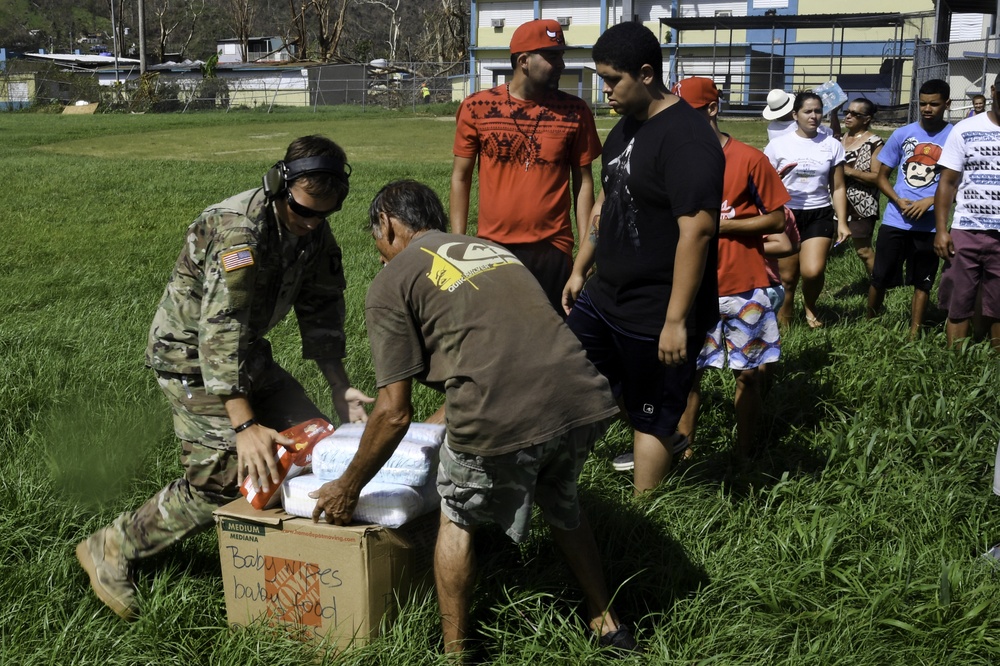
x,y
477,490
208,454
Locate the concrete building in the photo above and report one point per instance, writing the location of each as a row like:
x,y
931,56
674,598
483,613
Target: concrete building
x,y
747,46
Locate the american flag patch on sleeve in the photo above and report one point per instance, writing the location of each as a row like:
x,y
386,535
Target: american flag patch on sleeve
x,y
237,259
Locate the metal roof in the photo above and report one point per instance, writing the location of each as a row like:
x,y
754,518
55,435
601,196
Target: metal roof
x,y
790,21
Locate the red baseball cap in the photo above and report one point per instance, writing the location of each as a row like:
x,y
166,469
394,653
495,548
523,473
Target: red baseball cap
x,y
538,35
925,153
697,91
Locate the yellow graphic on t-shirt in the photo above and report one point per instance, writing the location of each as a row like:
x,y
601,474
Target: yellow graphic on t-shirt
x,y
455,264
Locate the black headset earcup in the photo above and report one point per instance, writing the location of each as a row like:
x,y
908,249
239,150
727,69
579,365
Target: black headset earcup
x,y
274,181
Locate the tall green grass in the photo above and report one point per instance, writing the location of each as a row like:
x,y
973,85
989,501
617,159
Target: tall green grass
x,y
854,539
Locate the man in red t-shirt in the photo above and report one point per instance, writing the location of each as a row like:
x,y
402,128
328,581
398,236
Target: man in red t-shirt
x,y
746,336
531,141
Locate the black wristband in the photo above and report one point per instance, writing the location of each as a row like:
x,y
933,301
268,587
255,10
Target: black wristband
x,y
243,426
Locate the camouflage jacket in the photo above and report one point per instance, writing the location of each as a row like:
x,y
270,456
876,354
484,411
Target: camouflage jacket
x,y
239,274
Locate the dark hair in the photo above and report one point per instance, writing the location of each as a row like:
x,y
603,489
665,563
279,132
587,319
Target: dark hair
x,y
975,97
800,100
320,185
936,87
412,203
870,108
627,47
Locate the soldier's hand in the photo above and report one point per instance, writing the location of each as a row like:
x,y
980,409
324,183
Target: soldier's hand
x,y
255,449
336,500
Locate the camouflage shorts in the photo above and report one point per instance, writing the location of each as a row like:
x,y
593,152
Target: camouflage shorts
x,y
477,490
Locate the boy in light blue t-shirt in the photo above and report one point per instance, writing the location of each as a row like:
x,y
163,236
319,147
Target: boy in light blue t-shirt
x,y
906,236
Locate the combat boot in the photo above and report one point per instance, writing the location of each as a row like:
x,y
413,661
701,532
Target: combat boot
x,y
109,571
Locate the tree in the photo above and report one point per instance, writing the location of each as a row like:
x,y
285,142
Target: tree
x,y
328,35
242,16
117,8
176,15
297,11
446,33
395,24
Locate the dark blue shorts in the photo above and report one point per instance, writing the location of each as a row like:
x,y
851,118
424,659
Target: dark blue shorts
x,y
654,395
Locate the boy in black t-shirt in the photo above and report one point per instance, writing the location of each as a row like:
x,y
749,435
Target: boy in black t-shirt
x,y
643,315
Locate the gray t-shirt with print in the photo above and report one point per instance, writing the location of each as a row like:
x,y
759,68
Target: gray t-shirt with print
x,y
465,317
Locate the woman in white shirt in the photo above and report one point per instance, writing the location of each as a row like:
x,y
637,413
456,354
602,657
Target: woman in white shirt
x,y
811,165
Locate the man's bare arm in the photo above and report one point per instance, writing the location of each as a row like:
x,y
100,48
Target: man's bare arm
x,y
458,198
583,197
696,231
769,223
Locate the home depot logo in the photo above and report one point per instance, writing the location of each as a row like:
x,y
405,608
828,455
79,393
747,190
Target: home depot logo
x,y
292,591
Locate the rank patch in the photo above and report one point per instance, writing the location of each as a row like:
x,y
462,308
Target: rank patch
x,y
237,259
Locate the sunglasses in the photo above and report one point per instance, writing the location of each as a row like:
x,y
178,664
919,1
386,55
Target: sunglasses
x,y
848,112
306,212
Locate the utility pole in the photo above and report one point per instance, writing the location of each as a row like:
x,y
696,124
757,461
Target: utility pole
x,y
142,37
114,41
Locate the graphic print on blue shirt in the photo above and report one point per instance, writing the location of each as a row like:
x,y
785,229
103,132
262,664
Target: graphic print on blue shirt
x,y
914,154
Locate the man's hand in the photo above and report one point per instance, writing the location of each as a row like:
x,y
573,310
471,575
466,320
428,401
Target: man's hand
x,y
943,245
572,291
673,344
353,403
917,208
255,449
337,501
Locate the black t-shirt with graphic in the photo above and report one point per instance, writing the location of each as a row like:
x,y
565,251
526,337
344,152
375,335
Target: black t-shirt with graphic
x,y
653,172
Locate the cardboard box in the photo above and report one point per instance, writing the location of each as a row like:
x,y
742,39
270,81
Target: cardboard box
x,y
319,580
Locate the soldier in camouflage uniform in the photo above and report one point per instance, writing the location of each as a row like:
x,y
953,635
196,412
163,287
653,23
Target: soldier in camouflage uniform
x,y
522,402
246,262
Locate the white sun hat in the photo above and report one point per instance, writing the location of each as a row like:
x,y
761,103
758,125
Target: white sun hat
x,y
779,103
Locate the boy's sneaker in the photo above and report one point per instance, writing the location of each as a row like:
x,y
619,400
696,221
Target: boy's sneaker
x,y
621,642
109,571
626,461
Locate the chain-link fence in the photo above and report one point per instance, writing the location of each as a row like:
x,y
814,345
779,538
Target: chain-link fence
x,y
187,86
970,68
745,76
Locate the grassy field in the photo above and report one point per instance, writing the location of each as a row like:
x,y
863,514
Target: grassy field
x,y
855,539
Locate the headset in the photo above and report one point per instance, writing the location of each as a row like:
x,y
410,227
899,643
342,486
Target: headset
x,y
276,180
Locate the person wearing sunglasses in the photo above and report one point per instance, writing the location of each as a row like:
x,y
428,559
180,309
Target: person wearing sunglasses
x,y
861,147
245,263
